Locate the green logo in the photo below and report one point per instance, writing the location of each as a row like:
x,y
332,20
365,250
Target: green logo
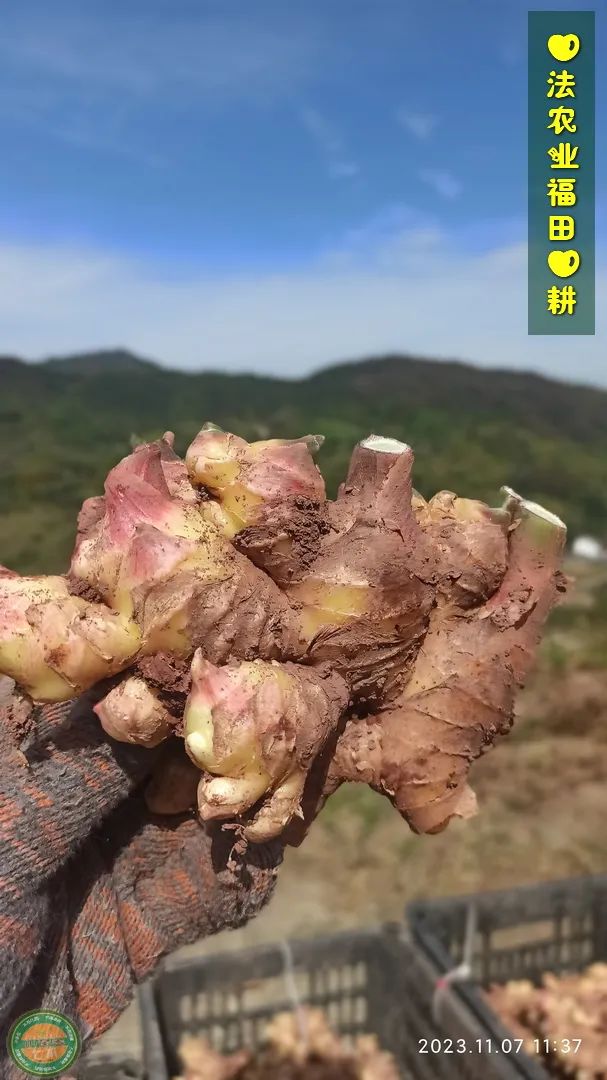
x,y
43,1043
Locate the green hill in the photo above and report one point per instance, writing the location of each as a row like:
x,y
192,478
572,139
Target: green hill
x,y
65,422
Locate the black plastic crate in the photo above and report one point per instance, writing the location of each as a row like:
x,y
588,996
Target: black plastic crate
x,y
509,934
119,1066
359,979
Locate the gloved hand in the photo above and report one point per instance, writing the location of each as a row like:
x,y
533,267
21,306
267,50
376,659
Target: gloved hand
x,y
95,889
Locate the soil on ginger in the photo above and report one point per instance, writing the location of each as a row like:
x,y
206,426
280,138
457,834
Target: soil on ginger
x,y
541,794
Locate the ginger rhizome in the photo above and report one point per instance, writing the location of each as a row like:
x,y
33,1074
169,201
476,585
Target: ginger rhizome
x,y
542,1015
295,1046
282,643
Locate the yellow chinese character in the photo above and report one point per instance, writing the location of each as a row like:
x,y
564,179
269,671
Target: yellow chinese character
x,y
561,84
561,301
562,119
561,227
563,156
560,191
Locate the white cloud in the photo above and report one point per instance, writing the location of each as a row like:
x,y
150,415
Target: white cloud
x,y
422,297
443,182
419,124
331,145
373,242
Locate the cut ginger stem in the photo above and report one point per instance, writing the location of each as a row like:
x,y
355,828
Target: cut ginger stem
x,y
284,642
460,694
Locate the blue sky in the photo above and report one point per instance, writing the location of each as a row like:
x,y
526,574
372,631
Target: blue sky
x,y
255,184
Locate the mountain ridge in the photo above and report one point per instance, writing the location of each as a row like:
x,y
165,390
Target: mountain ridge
x,y
96,360
65,421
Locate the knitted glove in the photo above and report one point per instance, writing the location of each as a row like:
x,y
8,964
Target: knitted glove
x,y
94,889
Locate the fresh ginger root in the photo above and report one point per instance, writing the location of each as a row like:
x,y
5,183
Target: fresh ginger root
x,y
201,1062
296,1046
256,727
292,642
545,1017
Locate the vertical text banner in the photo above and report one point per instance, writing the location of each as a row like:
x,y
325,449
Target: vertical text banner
x,y
561,171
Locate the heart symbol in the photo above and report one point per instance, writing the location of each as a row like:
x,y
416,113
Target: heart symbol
x,y
564,46
564,263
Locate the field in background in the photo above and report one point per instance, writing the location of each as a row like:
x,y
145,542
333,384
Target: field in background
x,y
65,423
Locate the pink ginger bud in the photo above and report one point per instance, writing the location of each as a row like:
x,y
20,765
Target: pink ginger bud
x,y
148,488
157,463
284,467
244,476
150,557
255,729
215,458
162,578
229,712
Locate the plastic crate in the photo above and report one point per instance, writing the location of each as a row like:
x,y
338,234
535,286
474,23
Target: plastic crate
x,y
510,934
118,1054
120,1066
359,979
